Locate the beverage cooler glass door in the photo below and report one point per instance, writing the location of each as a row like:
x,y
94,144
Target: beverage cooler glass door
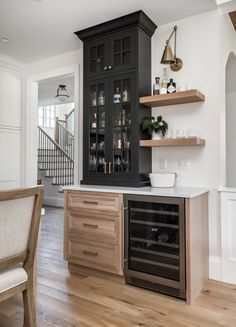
x,y
155,239
121,132
97,138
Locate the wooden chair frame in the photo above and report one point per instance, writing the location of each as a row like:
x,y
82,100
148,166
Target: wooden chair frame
x,y
26,258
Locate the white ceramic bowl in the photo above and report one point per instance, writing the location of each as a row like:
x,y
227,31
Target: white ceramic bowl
x,y
162,179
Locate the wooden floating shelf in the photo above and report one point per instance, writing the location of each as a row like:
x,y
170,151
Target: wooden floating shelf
x,y
172,98
183,141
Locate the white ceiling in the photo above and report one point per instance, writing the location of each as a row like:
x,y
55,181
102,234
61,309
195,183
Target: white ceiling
x,y
41,29
47,90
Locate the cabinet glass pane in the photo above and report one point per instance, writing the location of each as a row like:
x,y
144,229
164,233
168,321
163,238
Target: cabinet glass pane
x,y
154,239
97,126
122,51
97,58
121,118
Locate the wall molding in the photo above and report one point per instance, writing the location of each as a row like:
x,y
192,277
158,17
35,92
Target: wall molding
x,y
215,268
12,63
13,128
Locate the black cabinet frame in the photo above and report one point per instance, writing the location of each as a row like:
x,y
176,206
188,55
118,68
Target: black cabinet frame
x,y
114,50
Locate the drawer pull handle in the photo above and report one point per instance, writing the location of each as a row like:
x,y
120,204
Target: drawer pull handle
x,y
91,202
90,225
94,254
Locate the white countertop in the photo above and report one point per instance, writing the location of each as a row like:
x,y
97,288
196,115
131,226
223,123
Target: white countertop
x,y
179,192
227,189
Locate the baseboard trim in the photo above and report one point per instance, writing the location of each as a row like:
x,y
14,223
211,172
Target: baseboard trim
x,y
54,202
215,268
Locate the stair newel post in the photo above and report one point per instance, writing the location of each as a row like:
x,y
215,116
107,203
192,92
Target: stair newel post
x,y
66,117
56,130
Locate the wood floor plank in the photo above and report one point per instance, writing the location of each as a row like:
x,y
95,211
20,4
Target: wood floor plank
x,y
84,299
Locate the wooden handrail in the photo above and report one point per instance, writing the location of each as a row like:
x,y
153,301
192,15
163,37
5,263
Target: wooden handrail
x,y
65,128
70,113
55,143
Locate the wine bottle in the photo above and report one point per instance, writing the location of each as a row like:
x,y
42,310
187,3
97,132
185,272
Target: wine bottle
x,y
101,99
163,237
156,86
94,122
171,86
125,95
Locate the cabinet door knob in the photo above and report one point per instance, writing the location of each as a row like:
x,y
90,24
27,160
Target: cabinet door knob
x,y
105,67
109,67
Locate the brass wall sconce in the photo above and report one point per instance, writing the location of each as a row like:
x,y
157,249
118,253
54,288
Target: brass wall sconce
x,y
168,58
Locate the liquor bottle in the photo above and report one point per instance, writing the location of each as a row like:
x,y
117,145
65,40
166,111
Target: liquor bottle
x,y
125,95
101,99
156,86
123,118
94,122
117,96
102,120
93,99
164,82
171,86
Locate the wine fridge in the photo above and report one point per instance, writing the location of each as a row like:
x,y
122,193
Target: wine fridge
x,y
155,244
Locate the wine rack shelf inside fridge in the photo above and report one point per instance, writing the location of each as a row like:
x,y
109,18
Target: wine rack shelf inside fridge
x,y
155,243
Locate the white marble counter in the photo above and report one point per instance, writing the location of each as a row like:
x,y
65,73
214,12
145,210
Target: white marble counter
x,y
227,189
179,192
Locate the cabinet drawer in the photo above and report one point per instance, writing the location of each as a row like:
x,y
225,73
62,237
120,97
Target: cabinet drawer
x,y
95,227
94,255
95,202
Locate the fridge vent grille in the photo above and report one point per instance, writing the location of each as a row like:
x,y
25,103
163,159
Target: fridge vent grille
x,y
154,286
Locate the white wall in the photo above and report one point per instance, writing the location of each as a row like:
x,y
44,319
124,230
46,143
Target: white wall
x,y
11,123
203,43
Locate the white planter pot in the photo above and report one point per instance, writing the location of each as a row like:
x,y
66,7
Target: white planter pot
x,y
157,136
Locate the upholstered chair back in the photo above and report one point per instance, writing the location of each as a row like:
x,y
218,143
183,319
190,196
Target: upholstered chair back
x,y
15,223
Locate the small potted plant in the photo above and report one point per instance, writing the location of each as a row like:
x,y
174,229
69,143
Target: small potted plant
x,y
155,127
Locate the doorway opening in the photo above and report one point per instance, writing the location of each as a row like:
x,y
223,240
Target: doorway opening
x,y
56,109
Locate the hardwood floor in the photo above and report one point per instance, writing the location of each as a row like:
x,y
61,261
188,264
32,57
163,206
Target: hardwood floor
x,y
86,300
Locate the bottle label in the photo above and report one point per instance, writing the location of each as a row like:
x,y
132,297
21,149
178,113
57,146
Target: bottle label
x,y
163,90
171,89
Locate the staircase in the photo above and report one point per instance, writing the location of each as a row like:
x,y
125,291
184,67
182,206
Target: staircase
x,y
56,157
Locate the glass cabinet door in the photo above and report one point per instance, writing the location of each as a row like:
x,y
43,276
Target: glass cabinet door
x,y
97,119
96,57
122,51
120,113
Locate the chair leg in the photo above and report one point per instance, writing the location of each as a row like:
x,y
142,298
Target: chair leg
x,y
29,307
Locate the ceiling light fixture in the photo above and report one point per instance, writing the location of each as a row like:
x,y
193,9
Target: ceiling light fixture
x,y
62,95
168,58
4,39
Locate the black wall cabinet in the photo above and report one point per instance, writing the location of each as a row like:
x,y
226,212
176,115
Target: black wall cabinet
x,y
117,71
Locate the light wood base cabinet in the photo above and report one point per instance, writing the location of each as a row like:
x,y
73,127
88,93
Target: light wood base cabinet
x,y
94,239
94,230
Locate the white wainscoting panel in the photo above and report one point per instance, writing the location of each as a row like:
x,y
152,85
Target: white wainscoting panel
x,y
228,236
10,97
10,149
